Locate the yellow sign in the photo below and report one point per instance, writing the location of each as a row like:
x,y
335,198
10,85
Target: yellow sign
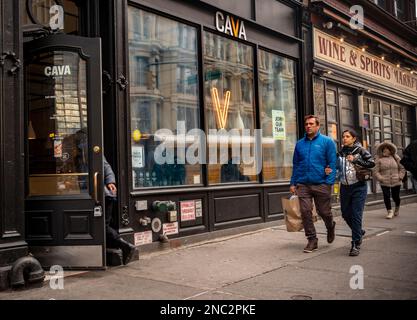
x,y
222,112
137,135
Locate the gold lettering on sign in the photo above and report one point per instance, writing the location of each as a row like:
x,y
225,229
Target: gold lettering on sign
x,y
354,59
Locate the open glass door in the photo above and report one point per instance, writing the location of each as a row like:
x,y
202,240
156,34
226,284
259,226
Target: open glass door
x,y
64,142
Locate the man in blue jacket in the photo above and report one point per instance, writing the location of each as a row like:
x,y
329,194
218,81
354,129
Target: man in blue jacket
x,y
313,154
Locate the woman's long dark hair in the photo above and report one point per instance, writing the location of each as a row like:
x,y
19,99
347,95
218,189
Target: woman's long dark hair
x,y
352,132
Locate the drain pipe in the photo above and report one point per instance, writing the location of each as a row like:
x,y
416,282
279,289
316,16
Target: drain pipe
x,y
29,267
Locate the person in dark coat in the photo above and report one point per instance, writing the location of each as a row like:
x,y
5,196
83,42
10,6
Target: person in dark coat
x,y
113,238
352,158
409,161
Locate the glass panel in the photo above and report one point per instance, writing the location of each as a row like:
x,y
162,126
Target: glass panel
x,y
226,109
387,137
347,117
376,107
332,129
41,15
331,113
330,97
163,95
366,105
398,141
386,108
398,127
377,122
397,112
277,80
377,136
58,127
319,103
387,125
366,121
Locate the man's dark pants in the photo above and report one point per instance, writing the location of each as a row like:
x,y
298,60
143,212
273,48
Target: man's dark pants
x,y
112,236
352,203
322,196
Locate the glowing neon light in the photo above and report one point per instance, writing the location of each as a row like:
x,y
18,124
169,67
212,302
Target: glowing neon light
x,y
222,112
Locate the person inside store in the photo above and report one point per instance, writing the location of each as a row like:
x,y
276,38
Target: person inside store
x,y
230,171
113,238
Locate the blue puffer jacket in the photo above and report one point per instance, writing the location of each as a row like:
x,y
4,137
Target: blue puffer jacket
x,y
311,157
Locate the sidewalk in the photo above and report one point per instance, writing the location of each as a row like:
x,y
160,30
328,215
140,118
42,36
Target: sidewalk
x,y
262,264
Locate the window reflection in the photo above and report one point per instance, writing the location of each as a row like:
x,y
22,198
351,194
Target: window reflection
x,y
57,124
229,104
277,85
163,90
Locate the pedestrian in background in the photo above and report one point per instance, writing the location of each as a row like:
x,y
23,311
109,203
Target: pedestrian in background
x,y
312,155
409,161
353,160
390,173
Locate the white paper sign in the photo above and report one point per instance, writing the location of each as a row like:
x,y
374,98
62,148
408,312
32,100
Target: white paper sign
x,y
170,228
278,125
142,238
198,208
137,157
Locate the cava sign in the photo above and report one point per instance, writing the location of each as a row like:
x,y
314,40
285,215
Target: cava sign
x,y
52,71
57,17
230,25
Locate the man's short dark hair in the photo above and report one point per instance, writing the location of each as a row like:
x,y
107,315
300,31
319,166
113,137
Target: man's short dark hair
x,y
310,116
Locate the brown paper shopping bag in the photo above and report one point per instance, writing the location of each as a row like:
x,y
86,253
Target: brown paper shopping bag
x,y
292,214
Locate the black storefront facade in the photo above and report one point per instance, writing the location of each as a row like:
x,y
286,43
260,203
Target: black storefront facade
x,y
364,78
173,65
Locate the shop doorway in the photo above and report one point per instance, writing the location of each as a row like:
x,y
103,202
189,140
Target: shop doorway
x,y
64,160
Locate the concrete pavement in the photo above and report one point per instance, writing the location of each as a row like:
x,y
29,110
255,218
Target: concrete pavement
x,y
262,264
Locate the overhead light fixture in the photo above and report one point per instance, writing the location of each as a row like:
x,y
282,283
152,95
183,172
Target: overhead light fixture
x,y
363,49
382,58
329,71
398,65
342,39
328,25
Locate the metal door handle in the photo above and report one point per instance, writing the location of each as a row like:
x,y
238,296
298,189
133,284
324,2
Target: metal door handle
x,y
96,187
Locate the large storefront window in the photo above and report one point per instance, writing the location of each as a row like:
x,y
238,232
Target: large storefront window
x,y
163,92
229,105
278,115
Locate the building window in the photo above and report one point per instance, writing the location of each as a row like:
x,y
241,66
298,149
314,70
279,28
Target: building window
x,y
381,3
167,60
399,9
278,115
226,107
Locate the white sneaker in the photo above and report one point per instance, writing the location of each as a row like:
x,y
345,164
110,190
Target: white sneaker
x,y
390,214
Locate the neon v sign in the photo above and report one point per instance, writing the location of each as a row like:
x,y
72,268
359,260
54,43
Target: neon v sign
x,y
222,111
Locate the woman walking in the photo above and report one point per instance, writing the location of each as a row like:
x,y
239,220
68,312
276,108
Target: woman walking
x,y
353,160
390,173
